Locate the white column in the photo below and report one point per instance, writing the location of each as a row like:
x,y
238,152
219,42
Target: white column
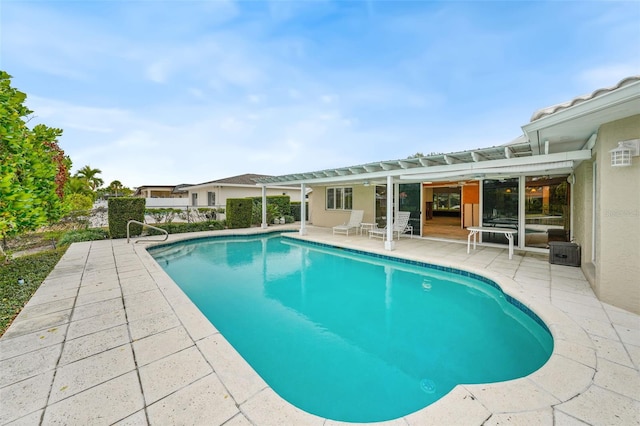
x,y
389,244
303,209
264,207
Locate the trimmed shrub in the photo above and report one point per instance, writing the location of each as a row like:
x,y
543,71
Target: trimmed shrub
x,y
239,212
277,206
295,211
182,227
122,210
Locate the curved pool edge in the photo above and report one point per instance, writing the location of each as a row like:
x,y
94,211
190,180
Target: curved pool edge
x,y
533,396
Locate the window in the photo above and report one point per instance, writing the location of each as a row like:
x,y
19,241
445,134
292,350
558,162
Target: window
x,y
194,199
339,198
211,198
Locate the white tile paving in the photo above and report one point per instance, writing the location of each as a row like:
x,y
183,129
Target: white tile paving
x,y
110,339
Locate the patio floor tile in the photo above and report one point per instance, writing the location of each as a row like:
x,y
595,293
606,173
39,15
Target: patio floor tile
x,y
26,343
599,406
464,408
28,365
97,323
152,324
91,371
157,346
103,404
205,401
266,408
618,378
94,343
172,373
24,397
238,376
139,418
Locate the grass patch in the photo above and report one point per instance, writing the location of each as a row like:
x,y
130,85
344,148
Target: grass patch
x,y
83,235
33,269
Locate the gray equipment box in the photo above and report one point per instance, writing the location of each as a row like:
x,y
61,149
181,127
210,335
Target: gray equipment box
x,y
561,253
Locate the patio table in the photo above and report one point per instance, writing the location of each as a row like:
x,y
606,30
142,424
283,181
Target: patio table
x,y
474,230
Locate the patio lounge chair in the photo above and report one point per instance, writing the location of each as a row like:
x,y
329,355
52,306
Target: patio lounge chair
x,y
354,223
400,226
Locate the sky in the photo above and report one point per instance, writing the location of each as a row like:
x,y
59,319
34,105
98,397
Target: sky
x,y
171,92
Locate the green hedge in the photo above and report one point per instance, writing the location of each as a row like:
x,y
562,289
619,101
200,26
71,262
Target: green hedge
x,y
296,208
182,227
277,206
122,210
239,212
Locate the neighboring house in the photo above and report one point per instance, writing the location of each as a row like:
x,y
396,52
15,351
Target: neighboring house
x,y
559,181
164,196
216,192
161,191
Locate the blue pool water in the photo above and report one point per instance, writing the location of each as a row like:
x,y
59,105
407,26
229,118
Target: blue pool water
x,y
353,337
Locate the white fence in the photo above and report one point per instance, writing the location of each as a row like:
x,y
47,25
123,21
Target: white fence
x,y
175,203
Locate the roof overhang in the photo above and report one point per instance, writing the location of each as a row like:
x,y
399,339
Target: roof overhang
x,y
539,164
569,128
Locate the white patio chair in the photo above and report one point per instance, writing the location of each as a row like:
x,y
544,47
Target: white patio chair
x,y
354,223
400,226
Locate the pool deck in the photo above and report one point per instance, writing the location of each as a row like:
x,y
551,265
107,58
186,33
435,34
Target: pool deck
x,y
110,339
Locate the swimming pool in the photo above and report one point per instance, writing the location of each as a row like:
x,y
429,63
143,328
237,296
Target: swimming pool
x,y
350,336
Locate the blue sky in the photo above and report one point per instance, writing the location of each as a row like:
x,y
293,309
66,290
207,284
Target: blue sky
x,y
168,92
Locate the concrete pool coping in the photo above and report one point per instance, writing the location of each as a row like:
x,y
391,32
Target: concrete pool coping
x,y
110,338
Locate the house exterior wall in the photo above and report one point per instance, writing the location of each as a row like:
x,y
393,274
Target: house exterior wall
x,y
617,251
225,192
363,199
582,232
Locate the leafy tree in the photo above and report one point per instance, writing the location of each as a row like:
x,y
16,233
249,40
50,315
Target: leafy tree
x,y
91,176
33,168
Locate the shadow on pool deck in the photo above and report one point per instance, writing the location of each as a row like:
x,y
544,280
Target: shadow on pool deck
x,y
109,338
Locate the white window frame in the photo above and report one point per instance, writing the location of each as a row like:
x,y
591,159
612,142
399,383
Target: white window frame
x,y
340,197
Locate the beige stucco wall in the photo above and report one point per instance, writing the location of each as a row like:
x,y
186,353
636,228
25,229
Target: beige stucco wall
x,y
363,199
617,264
225,192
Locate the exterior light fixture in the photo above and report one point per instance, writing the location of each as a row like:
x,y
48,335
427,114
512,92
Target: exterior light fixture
x,y
621,155
365,183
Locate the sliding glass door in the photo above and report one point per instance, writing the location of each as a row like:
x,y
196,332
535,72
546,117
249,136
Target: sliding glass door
x,y
500,208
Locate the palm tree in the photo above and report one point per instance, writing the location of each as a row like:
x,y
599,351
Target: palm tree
x,y
114,186
90,175
78,185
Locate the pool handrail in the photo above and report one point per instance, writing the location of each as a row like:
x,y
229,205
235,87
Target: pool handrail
x,y
166,234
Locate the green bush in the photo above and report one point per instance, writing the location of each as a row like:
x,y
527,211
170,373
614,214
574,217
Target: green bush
x,y
182,227
122,210
239,212
289,219
277,206
83,235
296,210
33,270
